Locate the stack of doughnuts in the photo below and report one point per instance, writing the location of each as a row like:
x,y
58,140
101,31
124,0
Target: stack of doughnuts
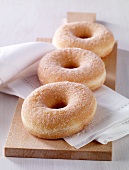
x,y
65,104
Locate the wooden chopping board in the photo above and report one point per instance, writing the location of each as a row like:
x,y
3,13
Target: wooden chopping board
x,y
22,144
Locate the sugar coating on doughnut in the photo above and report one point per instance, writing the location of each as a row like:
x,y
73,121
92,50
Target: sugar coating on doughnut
x,y
74,65
58,110
90,36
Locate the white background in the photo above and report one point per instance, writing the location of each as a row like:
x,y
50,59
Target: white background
x,y
23,21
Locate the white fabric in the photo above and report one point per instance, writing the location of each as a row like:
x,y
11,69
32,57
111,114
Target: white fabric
x,y
18,65
108,123
114,133
21,60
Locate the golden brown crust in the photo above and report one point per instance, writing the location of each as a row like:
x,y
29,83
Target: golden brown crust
x,y
90,36
74,65
42,116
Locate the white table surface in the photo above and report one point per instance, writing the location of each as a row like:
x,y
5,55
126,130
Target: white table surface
x,y
23,21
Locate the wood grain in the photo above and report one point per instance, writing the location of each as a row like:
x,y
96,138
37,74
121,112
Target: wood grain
x,y
49,40
110,65
79,16
22,144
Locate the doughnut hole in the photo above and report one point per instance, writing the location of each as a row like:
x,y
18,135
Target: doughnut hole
x,y
84,36
70,61
58,105
53,100
71,65
83,33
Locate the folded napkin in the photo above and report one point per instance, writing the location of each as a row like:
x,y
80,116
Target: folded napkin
x,y
114,133
18,65
21,60
109,121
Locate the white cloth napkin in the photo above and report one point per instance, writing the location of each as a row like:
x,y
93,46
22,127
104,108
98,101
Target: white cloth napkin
x,y
109,122
21,60
18,65
114,133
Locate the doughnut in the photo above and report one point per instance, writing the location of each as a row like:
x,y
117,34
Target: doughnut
x,y
58,110
90,36
74,65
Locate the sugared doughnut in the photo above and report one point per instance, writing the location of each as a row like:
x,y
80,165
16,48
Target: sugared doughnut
x,y
74,65
58,110
90,36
